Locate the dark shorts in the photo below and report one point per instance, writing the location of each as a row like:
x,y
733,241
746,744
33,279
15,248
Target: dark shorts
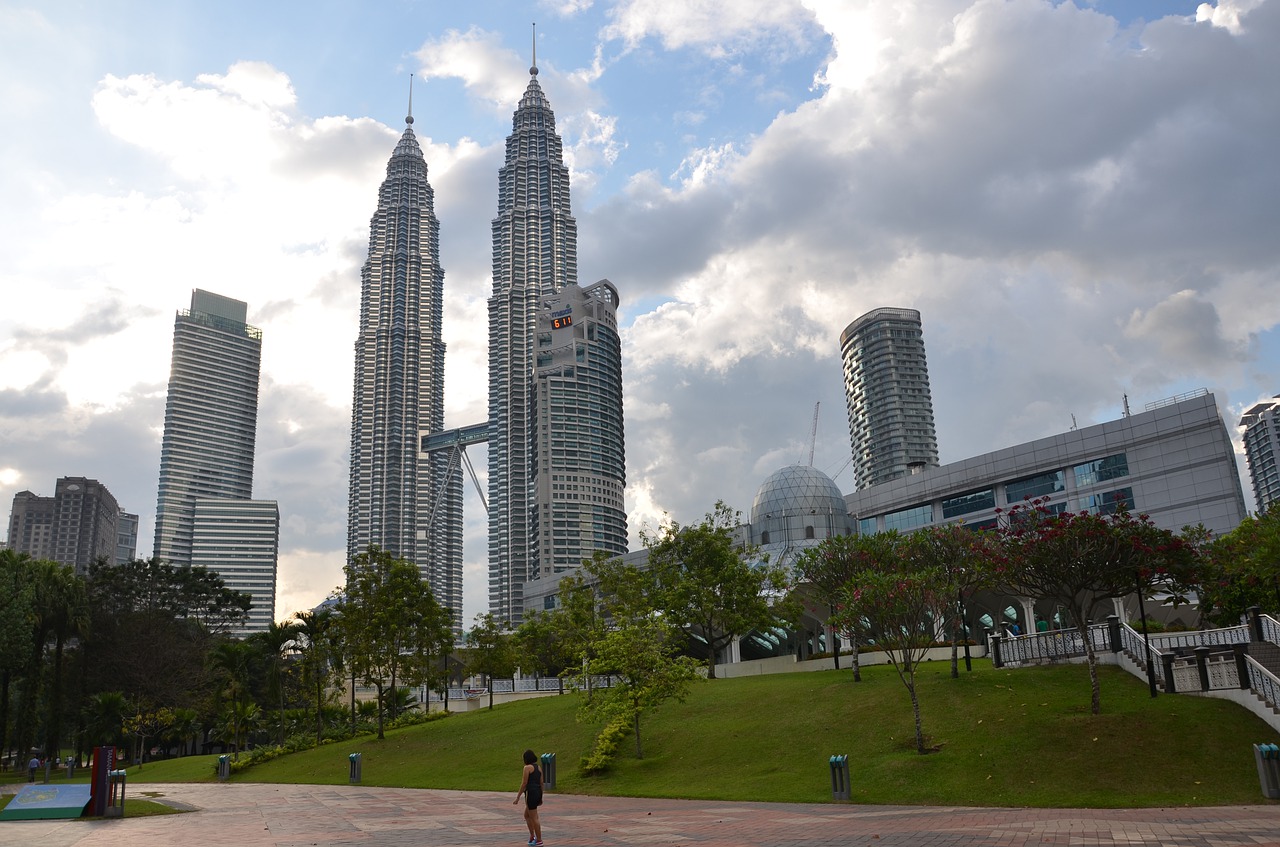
x,y
533,801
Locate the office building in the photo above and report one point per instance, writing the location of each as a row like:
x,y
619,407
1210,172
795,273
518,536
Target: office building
x,y
1261,447
210,417
240,541
77,526
1173,461
535,257
399,499
126,537
886,383
579,464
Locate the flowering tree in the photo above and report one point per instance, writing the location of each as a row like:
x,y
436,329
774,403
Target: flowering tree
x,y
825,571
898,602
1081,560
970,560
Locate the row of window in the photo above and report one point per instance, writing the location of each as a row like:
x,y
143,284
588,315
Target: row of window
x,y
1040,485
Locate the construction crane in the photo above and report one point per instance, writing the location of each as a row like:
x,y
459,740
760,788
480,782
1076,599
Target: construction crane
x,y
813,433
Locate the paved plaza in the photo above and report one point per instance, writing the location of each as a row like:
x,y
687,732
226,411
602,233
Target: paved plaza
x,y
259,815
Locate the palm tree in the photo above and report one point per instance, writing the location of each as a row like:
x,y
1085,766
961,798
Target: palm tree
x,y
186,723
321,656
104,718
234,660
279,639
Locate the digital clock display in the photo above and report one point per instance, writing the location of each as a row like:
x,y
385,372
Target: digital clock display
x,y
561,323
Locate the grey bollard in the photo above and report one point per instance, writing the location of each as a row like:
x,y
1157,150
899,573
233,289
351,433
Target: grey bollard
x,y
548,770
1268,758
353,776
48,769
839,777
224,767
71,768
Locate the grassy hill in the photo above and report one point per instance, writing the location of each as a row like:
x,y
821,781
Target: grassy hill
x,y
1005,738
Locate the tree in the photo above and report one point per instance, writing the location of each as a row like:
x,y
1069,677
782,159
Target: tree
x,y
17,616
104,718
151,632
1241,569
392,627
641,654
1081,560
969,560
824,571
899,602
274,644
710,584
491,650
147,723
321,657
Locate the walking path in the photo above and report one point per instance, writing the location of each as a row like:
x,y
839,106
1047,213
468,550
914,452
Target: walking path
x,y
260,815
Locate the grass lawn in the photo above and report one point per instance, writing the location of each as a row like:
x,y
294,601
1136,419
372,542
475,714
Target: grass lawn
x,y
1004,738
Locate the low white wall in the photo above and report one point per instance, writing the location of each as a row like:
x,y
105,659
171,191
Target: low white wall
x,y
788,664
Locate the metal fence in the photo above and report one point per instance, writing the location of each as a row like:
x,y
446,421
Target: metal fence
x,y
523,685
1173,641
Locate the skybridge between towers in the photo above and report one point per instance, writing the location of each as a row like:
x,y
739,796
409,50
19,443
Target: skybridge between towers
x,y
456,442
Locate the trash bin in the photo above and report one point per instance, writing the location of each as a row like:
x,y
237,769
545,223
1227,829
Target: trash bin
x,y
353,775
839,777
115,797
224,767
1268,758
548,770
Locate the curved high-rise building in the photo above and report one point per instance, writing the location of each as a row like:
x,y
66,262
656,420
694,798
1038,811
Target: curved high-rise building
x,y
886,384
400,500
535,257
579,464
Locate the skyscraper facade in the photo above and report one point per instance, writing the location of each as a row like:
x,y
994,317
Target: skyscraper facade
x,y
886,383
210,417
240,541
76,526
535,255
399,500
579,464
1261,448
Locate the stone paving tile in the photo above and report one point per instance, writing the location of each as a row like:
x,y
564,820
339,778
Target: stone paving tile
x,y
250,815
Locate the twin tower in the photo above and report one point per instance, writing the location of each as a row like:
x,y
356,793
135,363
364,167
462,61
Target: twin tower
x,y
557,464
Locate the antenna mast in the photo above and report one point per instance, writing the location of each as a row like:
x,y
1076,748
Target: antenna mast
x,y
813,432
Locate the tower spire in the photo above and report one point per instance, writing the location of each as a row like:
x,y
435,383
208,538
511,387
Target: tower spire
x,y
533,69
409,118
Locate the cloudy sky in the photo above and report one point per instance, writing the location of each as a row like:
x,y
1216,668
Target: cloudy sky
x,y
1082,199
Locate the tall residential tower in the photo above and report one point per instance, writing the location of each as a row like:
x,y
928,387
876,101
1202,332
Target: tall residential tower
x,y
886,384
1262,449
400,500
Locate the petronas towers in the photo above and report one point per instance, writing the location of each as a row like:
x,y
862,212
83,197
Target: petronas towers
x,y
399,385
554,431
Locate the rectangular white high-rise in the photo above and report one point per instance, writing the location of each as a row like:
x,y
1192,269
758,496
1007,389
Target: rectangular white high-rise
x,y
240,541
210,417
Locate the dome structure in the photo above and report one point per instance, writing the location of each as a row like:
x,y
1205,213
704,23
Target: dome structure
x,y
797,506
796,490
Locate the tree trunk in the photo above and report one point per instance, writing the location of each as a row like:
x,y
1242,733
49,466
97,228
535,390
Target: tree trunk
x,y
915,710
381,735
1095,687
636,723
856,659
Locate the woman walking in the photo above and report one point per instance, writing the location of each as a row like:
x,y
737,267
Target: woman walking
x,y
531,788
